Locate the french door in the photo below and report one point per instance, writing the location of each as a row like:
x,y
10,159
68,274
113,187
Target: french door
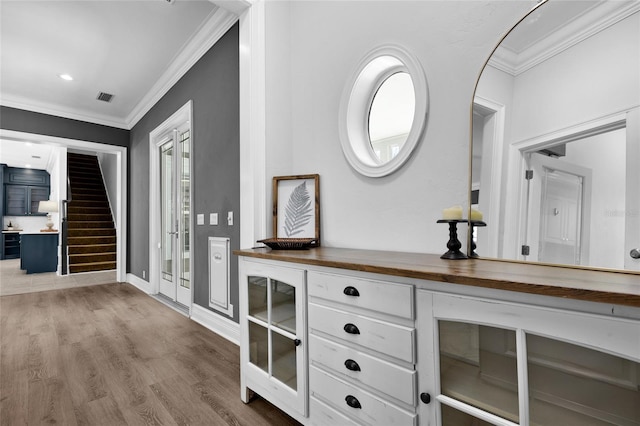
x,y
175,215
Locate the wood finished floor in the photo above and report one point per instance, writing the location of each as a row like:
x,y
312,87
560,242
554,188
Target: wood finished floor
x,y
111,355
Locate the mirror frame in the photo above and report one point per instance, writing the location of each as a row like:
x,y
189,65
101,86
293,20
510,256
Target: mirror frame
x,y
612,123
470,243
355,104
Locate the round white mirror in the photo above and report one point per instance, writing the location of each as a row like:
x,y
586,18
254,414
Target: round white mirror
x,y
383,111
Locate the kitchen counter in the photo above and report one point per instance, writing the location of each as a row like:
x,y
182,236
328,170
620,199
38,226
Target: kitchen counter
x,y
620,288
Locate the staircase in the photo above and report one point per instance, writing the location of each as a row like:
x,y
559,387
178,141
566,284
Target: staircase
x,y
91,237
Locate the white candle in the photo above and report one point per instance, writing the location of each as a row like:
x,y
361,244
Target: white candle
x,y
475,214
452,213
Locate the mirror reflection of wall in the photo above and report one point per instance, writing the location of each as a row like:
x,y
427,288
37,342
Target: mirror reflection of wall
x,y
563,86
391,115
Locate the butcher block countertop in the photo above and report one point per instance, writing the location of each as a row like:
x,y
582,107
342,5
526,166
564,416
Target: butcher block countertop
x,y
621,288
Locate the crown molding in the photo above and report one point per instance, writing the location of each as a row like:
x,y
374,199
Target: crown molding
x,y
210,32
576,31
18,102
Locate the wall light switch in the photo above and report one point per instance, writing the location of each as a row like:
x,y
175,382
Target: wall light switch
x,y
213,218
230,218
200,219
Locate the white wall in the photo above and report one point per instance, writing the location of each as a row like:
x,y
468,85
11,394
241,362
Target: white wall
x,y
607,224
583,83
322,44
109,167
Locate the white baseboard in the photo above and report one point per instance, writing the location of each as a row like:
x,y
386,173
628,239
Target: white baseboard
x,y
226,328
139,283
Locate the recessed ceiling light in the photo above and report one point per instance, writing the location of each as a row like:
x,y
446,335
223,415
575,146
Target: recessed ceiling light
x,y
28,166
65,77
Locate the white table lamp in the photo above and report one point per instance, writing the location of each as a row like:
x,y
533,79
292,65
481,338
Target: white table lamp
x,y
48,207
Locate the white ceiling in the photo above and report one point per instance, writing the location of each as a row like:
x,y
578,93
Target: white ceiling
x,y
128,48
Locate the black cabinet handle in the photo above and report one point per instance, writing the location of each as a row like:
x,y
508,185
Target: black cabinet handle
x,y
352,401
352,365
425,397
351,328
297,342
351,291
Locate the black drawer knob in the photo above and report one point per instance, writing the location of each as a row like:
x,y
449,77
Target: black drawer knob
x,y
297,342
425,397
351,291
352,401
351,328
351,365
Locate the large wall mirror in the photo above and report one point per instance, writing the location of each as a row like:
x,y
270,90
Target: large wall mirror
x,y
556,138
383,111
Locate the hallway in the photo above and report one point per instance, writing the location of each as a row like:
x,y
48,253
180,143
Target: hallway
x,y
111,355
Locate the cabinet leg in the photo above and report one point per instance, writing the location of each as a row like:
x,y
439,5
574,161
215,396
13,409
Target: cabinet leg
x,y
246,394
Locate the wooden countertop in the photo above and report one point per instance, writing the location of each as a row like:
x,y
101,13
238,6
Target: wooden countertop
x,y
619,288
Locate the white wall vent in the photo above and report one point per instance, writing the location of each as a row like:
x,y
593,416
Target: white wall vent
x,y
219,279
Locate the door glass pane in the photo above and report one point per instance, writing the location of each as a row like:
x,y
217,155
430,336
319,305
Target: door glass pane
x,y
453,417
478,367
283,310
166,210
185,210
258,298
258,346
284,360
574,385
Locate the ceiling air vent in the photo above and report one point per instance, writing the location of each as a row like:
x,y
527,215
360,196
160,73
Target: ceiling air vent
x,y
106,97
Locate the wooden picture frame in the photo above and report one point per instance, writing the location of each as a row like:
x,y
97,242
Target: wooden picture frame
x,y
296,207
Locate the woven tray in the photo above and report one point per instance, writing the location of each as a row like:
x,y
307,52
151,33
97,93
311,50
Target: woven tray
x,y
289,243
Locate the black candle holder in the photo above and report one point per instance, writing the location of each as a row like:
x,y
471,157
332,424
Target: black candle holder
x,y
454,244
474,224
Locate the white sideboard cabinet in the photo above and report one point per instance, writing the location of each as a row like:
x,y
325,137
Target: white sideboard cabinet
x,y
338,338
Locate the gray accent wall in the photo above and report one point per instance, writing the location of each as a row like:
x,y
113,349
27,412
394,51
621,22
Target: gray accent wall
x,y
50,125
212,84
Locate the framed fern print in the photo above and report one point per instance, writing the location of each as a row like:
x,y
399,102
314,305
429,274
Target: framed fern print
x,y
296,207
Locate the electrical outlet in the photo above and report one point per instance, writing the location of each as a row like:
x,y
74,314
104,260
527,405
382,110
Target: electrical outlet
x,y
144,274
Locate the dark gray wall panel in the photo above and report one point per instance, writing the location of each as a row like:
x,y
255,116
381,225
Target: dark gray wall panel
x,y
213,86
43,124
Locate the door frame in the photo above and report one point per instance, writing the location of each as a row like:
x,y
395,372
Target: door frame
x,y
120,212
156,138
515,208
491,172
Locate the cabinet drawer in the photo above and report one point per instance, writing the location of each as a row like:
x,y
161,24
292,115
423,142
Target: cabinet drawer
x,y
393,340
321,414
372,410
389,298
390,379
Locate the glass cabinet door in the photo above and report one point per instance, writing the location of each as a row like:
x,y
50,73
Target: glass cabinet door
x,y
513,364
273,338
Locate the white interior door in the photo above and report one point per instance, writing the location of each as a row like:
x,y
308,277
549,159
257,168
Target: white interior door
x,y
175,215
558,212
